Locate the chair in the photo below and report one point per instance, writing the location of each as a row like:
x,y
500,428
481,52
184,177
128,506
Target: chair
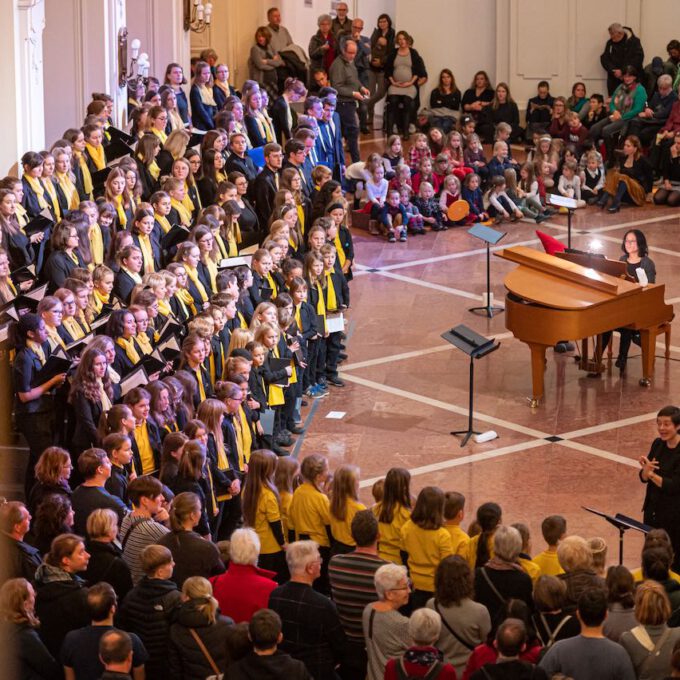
x,y
664,328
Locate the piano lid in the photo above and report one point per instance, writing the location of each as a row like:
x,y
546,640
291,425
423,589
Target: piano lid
x,y
554,282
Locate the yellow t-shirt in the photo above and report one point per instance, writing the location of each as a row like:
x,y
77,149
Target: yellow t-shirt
x,y
472,554
637,575
310,514
548,563
389,542
342,529
286,500
145,450
460,541
426,548
531,568
267,511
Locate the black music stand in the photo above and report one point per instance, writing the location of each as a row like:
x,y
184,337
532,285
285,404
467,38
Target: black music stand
x,y
490,237
475,346
622,523
563,202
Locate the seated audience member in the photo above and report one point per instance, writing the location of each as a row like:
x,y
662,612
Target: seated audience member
x,y
312,632
142,527
511,641
352,578
669,191
653,117
620,600
539,110
115,652
52,472
265,660
502,578
20,560
590,654
60,594
30,658
422,659
149,608
465,623
553,529
197,618
244,588
95,468
53,517
652,611
80,651
576,559
550,620
385,628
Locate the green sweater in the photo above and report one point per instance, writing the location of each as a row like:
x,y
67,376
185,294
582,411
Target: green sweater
x,y
639,101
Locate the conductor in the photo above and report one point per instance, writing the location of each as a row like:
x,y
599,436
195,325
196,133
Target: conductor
x,y
660,471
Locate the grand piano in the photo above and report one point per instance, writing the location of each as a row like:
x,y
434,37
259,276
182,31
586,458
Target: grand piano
x,y
554,298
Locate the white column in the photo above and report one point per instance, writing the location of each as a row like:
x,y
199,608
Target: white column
x,y
22,112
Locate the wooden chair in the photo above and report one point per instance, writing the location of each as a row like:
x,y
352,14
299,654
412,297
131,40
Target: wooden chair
x,y
664,328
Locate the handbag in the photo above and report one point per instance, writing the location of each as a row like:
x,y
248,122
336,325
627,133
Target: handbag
x,y
217,675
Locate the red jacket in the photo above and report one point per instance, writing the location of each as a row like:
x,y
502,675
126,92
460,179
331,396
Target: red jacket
x,y
485,653
414,670
242,590
673,122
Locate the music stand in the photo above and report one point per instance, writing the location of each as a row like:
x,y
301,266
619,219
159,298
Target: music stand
x,y
563,202
490,237
475,346
622,523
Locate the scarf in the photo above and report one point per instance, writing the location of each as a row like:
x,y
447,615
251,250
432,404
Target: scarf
x,y
96,153
82,320
332,301
275,397
96,244
176,122
163,221
320,305
220,176
242,320
37,349
87,176
186,301
73,327
160,134
133,275
113,376
189,201
263,128
199,380
423,656
147,253
99,300
130,349
154,170
501,565
192,273
73,255
272,285
298,319
211,266
184,214
146,455
120,210
49,187
54,337
206,95
38,190
271,135
22,215
224,87
623,98
301,217
106,402
244,438
341,253
144,343
164,308
220,245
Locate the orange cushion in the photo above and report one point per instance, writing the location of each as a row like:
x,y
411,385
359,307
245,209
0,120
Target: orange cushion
x,y
551,245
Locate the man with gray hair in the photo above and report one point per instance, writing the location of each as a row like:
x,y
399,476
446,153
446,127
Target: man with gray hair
x,y
312,632
620,51
655,114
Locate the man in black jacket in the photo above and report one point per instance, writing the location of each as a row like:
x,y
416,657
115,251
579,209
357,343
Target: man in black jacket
x,y
620,51
20,560
267,183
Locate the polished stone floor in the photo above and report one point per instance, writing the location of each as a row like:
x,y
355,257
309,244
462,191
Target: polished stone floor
x,y
407,388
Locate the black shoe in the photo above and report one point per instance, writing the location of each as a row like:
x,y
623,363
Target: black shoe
x,y
304,402
614,208
342,355
335,381
621,363
365,130
297,430
592,200
279,451
284,441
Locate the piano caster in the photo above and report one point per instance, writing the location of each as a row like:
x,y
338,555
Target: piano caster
x,y
645,382
533,402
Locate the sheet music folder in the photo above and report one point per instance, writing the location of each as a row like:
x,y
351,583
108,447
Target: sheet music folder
x,y
468,341
621,521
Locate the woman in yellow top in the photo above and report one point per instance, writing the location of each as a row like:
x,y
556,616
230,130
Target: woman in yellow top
x,y
262,512
344,505
489,517
425,543
310,516
393,512
286,479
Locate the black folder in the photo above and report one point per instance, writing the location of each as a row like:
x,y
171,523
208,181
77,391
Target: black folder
x,y
57,363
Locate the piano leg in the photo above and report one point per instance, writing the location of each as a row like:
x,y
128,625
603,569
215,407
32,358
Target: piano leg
x,y
647,343
537,372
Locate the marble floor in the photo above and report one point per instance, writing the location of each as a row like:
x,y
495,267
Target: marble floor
x,y
407,388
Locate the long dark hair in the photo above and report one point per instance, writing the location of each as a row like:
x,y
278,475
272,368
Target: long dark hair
x,y
641,242
429,510
448,72
261,469
396,492
84,380
488,518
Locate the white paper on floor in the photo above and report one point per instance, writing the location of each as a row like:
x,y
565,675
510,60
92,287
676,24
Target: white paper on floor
x,y
336,415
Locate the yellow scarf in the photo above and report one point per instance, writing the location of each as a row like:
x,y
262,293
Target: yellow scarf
x,y
212,487
38,190
37,350
97,155
99,300
73,327
276,397
220,177
51,190
321,305
147,252
243,438
184,214
106,402
233,248
73,256
192,273
186,301
263,126
133,275
212,370
82,320
11,286
301,218
145,450
211,266
130,349
164,308
54,337
338,247
220,245
272,285
96,244
85,170
120,209
176,122
22,216
298,319
154,170
163,221
206,95
223,86
144,343
332,302
199,380
160,134
242,320
69,189
189,200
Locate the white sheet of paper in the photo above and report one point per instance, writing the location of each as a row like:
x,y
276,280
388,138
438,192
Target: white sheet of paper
x,y
336,415
335,323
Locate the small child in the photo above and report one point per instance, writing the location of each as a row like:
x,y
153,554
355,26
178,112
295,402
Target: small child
x,y
376,191
435,140
378,492
577,132
545,175
454,513
467,128
393,156
392,218
441,169
589,147
454,151
569,184
472,193
418,151
502,133
450,194
596,111
592,178
554,529
539,110
414,219
500,161
425,174
429,208
525,561
474,157
401,179
528,190
500,205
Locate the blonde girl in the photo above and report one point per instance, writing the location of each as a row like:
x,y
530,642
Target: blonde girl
x,y
96,237
344,505
291,180
450,193
240,337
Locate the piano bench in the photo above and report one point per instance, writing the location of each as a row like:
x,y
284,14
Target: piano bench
x,y
664,328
